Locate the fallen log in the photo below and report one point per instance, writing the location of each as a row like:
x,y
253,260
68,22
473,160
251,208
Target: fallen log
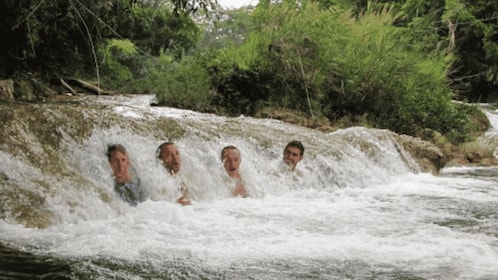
x,y
89,87
67,86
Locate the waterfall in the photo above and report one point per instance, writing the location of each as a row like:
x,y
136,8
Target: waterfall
x,y
55,156
362,208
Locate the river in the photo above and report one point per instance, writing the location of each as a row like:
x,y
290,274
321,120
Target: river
x,y
363,210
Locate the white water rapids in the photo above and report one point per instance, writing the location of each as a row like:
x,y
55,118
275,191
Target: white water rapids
x,y
362,210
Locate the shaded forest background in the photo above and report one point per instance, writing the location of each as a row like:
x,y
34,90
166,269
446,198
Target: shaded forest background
x,y
398,65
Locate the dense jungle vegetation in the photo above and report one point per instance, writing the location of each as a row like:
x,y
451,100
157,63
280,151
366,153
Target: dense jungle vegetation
x,y
396,64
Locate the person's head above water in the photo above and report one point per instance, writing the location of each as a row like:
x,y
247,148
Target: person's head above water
x,y
170,156
293,153
230,156
119,161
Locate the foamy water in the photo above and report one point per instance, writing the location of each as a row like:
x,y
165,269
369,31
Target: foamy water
x,y
360,212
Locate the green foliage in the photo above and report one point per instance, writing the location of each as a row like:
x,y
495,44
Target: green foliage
x,y
158,29
325,63
231,27
465,28
391,82
123,47
281,63
63,36
189,7
312,56
473,126
185,85
114,72
24,90
147,72
48,35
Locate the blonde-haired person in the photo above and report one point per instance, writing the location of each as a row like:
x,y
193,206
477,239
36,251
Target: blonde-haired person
x,y
230,156
126,185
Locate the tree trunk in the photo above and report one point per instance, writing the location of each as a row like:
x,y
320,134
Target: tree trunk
x,y
89,87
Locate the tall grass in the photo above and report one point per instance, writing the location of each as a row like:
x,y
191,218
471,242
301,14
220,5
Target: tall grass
x,y
325,63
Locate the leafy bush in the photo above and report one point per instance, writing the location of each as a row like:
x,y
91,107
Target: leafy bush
x,y
113,71
399,87
185,84
325,63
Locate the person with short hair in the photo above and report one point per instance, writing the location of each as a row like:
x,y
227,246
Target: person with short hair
x,y
230,156
126,185
293,154
169,154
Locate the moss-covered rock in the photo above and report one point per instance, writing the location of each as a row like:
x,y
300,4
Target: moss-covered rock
x,y
23,91
7,89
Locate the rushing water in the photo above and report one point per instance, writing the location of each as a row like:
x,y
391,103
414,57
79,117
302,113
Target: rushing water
x,y
362,210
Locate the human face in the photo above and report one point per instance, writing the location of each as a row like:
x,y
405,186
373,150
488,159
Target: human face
x,y
119,163
292,155
231,162
171,158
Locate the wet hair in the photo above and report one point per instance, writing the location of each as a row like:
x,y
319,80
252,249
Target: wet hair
x,y
296,144
159,150
226,148
115,148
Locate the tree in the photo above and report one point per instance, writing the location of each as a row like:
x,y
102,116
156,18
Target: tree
x,y
48,35
466,28
473,36
63,35
232,27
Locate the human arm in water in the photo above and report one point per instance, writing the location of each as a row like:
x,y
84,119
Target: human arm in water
x,y
184,198
240,189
